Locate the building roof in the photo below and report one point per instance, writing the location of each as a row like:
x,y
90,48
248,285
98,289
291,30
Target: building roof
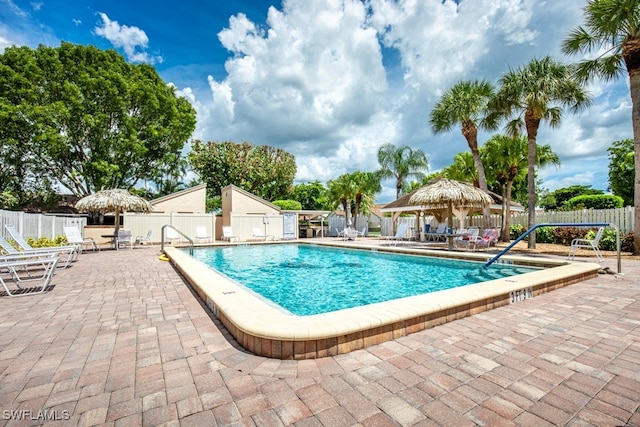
x,y
178,194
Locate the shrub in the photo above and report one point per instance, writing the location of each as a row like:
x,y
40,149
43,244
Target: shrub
x,y
544,235
288,205
45,242
626,242
608,239
516,230
594,201
564,235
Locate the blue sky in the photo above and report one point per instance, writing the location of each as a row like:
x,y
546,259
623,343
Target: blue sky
x,y
332,80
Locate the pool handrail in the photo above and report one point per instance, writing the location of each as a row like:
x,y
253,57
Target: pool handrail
x,y
177,231
561,224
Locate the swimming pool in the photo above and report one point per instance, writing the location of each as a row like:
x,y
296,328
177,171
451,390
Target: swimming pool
x,y
265,329
310,279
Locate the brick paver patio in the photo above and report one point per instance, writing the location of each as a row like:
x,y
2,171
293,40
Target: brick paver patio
x,y
121,340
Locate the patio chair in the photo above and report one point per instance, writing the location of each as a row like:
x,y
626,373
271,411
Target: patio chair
x,y
398,237
468,236
72,250
202,234
227,234
438,234
124,238
75,238
71,255
340,233
142,240
587,244
11,263
489,238
170,235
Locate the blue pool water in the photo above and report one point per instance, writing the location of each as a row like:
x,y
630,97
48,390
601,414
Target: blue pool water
x,y
309,279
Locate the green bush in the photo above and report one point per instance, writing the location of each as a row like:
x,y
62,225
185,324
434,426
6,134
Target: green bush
x,y
288,205
594,201
564,235
516,230
45,242
544,234
626,242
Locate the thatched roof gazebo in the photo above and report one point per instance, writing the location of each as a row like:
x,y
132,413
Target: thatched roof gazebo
x,y
115,200
449,194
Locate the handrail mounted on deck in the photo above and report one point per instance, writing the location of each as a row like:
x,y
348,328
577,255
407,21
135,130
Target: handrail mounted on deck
x,y
177,231
561,224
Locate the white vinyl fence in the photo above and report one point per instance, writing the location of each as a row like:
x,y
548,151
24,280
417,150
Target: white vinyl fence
x,y
140,223
38,225
621,217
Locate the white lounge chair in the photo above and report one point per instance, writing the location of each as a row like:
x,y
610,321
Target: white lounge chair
x,y
398,237
9,264
258,234
202,234
468,236
587,244
75,238
144,240
22,242
170,235
66,255
488,239
227,234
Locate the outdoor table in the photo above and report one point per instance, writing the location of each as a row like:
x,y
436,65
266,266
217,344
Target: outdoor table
x,y
451,236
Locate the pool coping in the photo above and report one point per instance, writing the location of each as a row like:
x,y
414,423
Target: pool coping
x,y
268,331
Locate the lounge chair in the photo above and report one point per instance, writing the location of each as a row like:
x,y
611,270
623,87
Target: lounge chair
x,y
227,234
350,234
124,238
22,242
201,234
170,235
75,238
142,240
258,234
438,234
11,263
398,237
340,233
489,238
467,238
71,255
587,244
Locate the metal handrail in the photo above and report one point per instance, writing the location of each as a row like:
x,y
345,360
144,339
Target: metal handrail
x,y
562,224
177,231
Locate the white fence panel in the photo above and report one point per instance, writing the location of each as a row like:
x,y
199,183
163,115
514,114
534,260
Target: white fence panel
x,y
337,223
242,225
140,224
621,217
36,225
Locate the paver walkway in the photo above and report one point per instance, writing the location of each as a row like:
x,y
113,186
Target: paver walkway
x,y
121,340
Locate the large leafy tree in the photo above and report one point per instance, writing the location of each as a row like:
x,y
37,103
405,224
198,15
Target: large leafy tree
x,y
465,104
311,195
610,40
265,171
557,199
87,119
529,96
507,158
622,173
402,163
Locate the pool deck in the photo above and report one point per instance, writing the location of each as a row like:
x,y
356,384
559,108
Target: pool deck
x,y
121,339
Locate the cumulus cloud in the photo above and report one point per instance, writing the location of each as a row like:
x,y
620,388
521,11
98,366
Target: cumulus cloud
x,y
132,40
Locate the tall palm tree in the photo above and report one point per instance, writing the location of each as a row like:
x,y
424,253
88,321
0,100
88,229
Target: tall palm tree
x,y
402,163
530,95
465,104
508,159
463,168
342,191
612,31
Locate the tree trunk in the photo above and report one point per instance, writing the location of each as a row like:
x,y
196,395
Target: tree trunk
x,y
532,124
507,217
470,132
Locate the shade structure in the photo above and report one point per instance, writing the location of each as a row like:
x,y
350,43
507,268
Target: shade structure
x,y
447,194
115,200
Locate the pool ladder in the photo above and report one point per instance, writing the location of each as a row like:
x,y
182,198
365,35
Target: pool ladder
x,y
561,224
162,234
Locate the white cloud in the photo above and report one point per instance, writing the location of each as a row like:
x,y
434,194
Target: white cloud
x,y
132,40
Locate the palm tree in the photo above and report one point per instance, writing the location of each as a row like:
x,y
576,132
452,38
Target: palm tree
x,y
508,159
465,104
612,32
530,95
402,163
463,168
355,192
